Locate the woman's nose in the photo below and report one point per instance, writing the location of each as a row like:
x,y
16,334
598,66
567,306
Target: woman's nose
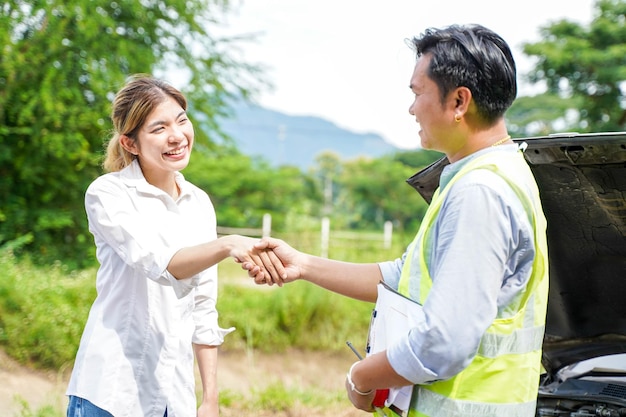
x,y
176,134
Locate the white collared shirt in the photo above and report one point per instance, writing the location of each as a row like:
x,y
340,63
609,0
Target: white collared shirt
x,y
135,356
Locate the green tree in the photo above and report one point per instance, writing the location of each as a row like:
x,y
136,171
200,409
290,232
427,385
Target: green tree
x,y
243,189
60,63
543,114
375,190
327,169
587,63
417,159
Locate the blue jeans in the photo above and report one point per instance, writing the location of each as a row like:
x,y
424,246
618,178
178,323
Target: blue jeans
x,y
79,407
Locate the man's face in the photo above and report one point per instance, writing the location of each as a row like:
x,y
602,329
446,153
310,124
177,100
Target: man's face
x,y
435,119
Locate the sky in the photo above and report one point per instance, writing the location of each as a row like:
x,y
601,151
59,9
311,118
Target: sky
x,y
347,61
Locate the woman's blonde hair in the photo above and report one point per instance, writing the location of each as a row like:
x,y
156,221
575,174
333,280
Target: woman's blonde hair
x,y
131,107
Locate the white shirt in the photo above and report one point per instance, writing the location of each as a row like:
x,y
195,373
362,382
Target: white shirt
x,y
480,259
136,356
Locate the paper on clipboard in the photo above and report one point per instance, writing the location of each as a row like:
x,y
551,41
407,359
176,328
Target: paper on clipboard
x,y
393,317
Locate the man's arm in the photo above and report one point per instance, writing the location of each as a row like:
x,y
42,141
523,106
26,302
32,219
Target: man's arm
x,y
355,280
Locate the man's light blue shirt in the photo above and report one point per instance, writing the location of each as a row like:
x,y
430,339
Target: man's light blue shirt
x,y
480,258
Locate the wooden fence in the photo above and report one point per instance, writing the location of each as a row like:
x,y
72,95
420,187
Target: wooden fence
x,y
325,232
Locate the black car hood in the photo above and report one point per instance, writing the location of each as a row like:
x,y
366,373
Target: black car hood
x,y
582,181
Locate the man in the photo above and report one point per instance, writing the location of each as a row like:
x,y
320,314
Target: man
x,y
478,263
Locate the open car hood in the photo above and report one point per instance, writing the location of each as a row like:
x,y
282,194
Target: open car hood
x,y
582,182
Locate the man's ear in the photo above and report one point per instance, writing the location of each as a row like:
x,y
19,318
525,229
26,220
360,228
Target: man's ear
x,y
129,144
462,97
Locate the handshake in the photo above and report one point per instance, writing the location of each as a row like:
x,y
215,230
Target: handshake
x,y
268,261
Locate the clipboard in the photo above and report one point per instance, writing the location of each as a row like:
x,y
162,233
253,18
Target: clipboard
x,y
393,316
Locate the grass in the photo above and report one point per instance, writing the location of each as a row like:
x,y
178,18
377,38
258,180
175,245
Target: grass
x,y
43,311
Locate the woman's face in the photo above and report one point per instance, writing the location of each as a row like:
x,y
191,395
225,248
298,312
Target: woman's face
x,y
165,140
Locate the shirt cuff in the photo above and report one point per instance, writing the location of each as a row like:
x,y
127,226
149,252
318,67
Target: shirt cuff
x,y
212,336
406,364
390,271
182,287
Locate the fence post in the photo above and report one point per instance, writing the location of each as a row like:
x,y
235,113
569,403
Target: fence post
x,y
388,233
325,236
267,224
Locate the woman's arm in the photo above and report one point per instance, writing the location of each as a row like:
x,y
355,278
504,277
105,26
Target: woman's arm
x,y
207,365
192,260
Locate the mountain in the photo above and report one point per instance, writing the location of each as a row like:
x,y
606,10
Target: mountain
x,y
283,139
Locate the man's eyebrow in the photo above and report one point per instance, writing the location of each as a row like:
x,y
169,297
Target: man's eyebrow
x,y
161,122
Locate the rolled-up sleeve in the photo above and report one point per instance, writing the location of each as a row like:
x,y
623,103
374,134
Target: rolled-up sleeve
x,y
477,253
135,234
391,271
207,330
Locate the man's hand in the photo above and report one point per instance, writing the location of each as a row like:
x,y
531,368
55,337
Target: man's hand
x,y
275,258
263,264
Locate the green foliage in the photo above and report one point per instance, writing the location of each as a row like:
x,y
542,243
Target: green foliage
x,y
243,189
60,65
374,191
298,315
42,311
587,63
276,397
542,114
45,411
417,159
364,193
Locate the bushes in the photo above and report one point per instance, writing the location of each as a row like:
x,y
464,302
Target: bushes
x,y
298,315
42,311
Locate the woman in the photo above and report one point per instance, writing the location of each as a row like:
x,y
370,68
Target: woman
x,y
156,241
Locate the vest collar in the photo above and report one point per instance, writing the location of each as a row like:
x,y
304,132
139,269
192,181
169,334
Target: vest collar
x,y
449,171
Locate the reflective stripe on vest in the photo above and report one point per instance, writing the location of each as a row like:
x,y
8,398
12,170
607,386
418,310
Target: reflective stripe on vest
x,y
513,341
434,405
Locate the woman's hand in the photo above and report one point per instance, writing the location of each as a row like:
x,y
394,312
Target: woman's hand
x,y
276,259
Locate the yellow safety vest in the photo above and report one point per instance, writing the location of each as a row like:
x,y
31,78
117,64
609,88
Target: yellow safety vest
x,y
503,378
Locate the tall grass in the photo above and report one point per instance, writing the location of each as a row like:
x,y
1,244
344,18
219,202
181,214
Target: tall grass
x,y
300,314
43,310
